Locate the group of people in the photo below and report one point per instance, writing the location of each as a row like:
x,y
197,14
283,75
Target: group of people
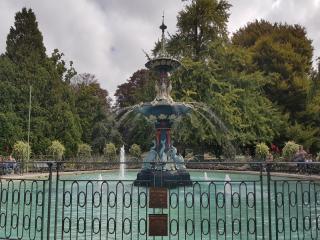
x,y
302,156
8,165
303,159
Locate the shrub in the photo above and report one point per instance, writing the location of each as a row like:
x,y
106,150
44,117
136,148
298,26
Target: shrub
x,y
135,150
84,150
289,150
262,151
110,151
56,149
21,150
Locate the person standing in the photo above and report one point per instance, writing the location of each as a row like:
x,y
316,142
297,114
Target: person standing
x,y
300,157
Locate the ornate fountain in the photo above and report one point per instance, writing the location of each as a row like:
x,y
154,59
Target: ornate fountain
x,y
163,166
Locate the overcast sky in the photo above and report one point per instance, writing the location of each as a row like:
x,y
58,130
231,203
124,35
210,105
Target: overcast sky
x,y
106,37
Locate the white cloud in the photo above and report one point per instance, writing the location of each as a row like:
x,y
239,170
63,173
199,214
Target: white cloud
x,y
101,37
106,37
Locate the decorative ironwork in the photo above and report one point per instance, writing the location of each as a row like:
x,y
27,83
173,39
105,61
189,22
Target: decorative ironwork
x,y
63,207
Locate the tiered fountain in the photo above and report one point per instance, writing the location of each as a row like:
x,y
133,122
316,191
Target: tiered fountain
x,y
163,166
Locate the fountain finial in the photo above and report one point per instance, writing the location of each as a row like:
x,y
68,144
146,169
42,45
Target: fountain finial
x,y
163,27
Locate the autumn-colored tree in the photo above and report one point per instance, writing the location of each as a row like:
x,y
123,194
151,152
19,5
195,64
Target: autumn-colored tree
x,y
139,88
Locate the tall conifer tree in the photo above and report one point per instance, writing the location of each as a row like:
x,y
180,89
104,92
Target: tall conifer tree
x,y
25,39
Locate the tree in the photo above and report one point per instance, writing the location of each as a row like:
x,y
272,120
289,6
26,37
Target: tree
x,y
26,64
199,24
104,132
64,71
247,36
56,149
307,132
94,110
232,96
10,131
93,104
139,88
21,150
289,150
284,54
66,127
262,151
110,151
84,150
25,40
135,150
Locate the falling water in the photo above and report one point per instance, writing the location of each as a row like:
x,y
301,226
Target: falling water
x,y
199,111
227,183
122,161
99,180
205,176
213,124
100,177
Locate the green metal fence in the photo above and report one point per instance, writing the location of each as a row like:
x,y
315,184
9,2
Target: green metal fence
x,y
58,206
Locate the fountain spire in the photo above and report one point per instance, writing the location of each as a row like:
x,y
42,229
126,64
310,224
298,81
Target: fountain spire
x,y
163,27
162,62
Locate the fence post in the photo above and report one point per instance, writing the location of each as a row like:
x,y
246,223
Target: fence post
x,y
21,166
56,200
269,199
49,200
262,201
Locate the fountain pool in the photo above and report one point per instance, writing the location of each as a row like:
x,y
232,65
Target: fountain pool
x,y
233,207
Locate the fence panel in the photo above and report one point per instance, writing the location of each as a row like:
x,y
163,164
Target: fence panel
x,y
101,209
89,206
296,209
23,205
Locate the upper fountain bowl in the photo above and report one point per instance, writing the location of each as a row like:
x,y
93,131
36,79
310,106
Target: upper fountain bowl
x,y
163,63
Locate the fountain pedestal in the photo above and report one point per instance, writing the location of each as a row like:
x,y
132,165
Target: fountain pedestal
x,y
163,166
158,178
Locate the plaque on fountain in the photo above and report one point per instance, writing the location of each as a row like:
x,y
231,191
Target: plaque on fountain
x,y
158,197
158,224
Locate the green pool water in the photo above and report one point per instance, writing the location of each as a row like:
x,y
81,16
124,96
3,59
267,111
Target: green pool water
x,y
100,206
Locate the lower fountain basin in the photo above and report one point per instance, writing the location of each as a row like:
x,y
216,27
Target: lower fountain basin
x,y
161,111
